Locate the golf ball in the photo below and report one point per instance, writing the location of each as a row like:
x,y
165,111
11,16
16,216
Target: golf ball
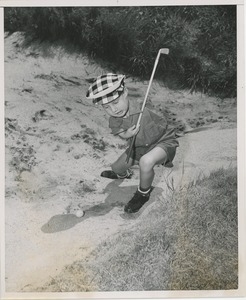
x,y
80,213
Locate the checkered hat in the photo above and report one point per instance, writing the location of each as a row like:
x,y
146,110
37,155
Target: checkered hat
x,y
106,88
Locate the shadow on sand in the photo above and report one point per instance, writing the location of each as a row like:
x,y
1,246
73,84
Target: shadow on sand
x,y
117,197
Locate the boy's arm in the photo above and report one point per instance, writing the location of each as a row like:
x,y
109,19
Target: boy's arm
x,y
130,132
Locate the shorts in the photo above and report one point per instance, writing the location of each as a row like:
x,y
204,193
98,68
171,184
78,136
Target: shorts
x,y
167,142
169,146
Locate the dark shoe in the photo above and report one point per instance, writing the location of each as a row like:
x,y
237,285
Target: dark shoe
x,y
168,164
112,175
137,201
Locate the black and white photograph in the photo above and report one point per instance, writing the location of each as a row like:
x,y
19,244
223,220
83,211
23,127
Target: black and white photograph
x,y
124,163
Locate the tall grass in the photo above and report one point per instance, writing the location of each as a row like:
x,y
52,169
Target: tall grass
x,y
185,242
188,243
201,39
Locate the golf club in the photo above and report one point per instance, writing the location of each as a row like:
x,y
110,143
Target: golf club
x,y
161,51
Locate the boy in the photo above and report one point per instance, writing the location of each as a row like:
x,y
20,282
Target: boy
x,y
155,143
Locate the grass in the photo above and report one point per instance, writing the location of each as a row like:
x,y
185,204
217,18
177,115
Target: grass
x,y
206,247
186,242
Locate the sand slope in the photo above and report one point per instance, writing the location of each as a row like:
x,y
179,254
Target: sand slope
x,y
57,144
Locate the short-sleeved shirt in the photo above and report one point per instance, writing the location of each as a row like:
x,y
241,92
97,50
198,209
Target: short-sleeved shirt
x,y
153,130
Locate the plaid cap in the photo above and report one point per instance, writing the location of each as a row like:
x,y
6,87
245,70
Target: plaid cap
x,y
106,88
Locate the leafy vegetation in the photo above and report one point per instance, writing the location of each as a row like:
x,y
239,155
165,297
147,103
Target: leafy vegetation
x,y
201,39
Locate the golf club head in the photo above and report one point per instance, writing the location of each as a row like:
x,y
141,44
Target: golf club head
x,y
164,51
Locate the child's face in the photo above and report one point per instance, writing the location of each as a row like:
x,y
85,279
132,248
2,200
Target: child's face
x,y
119,107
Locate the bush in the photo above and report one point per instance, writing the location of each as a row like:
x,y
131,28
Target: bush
x,y
201,39
16,18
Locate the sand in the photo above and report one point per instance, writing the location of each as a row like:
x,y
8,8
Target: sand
x,y
57,144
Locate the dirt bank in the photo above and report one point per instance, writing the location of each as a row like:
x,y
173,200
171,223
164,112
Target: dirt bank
x,y
57,143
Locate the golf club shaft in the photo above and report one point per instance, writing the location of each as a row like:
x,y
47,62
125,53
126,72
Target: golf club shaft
x,y
161,51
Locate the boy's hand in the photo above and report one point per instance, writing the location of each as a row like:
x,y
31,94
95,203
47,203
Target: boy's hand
x,y
133,130
130,132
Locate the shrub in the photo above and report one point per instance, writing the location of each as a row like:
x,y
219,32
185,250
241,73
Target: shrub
x,y
16,18
201,39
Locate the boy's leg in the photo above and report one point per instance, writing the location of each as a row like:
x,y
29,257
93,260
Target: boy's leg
x,y
120,166
120,169
146,165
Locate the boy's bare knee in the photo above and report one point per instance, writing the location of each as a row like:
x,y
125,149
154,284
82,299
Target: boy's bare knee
x,y
146,162
152,158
